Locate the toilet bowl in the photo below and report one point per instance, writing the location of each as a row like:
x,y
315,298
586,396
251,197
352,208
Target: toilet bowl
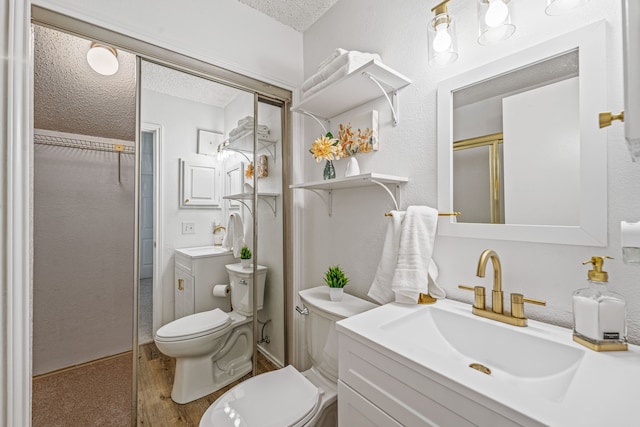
x,y
213,348
302,399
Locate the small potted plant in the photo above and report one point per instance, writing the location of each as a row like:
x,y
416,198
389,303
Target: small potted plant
x,y
245,257
336,280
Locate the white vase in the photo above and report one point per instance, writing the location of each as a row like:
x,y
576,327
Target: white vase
x,y
246,263
352,167
335,294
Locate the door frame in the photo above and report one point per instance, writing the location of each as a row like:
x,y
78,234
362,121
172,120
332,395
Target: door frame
x,y
158,250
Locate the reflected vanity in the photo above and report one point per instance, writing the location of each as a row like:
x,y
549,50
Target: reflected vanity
x,y
519,149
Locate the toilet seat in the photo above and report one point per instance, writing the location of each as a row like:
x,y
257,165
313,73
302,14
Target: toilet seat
x,y
194,326
273,399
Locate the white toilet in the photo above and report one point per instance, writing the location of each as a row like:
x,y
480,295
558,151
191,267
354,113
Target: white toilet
x,y
287,397
213,348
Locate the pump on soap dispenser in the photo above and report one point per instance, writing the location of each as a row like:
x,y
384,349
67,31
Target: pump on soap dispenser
x,y
599,315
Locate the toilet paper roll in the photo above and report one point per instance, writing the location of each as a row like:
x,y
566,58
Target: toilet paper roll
x,y
220,290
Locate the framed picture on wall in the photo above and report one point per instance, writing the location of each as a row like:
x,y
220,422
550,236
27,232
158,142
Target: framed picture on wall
x,y
208,141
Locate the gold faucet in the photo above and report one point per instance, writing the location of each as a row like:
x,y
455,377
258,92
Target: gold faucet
x,y
516,317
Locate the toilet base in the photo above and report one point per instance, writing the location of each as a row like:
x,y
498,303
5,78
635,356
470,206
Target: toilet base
x,y
196,377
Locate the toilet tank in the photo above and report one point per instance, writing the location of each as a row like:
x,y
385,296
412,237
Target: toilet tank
x,y
320,326
241,282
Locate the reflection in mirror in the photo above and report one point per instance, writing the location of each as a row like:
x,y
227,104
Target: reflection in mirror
x,y
195,280
534,114
520,154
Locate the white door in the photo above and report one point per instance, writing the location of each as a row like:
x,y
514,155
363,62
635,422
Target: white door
x,y
146,205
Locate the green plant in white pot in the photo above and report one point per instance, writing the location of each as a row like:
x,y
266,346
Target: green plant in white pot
x,y
336,280
245,257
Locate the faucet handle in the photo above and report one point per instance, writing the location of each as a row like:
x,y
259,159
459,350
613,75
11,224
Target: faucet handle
x,y
517,304
479,293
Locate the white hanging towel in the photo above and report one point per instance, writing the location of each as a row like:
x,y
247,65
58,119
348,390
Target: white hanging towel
x,y
380,290
411,276
234,239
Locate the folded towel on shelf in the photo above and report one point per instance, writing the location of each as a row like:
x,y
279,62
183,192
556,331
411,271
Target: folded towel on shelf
x,y
343,64
411,276
337,52
264,129
381,288
234,239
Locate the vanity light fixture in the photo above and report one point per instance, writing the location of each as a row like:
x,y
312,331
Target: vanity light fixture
x,y
494,21
558,7
442,37
103,59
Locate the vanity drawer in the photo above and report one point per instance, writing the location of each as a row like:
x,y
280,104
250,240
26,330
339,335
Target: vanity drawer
x,y
408,396
355,410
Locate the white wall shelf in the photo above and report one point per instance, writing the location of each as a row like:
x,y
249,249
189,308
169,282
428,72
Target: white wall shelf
x,y
242,143
362,180
246,198
356,88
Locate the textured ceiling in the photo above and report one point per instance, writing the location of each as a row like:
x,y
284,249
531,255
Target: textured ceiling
x,y
70,97
297,14
182,85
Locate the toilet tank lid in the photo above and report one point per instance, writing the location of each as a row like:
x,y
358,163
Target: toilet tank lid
x,y
238,268
350,305
273,399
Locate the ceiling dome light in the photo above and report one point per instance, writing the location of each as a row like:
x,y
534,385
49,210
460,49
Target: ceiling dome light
x,y
103,59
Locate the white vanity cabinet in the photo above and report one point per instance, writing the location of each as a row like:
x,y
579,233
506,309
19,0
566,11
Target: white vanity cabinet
x,y
377,387
197,270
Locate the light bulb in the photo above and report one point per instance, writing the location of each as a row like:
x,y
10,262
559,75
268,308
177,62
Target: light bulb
x,y
496,13
103,60
442,40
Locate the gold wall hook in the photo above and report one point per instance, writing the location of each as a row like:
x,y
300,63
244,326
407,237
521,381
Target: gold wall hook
x,y
605,119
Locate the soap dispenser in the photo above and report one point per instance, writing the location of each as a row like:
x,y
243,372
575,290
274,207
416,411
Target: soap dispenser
x,y
599,315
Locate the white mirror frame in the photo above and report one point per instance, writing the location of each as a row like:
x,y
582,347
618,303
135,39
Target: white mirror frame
x,y
592,230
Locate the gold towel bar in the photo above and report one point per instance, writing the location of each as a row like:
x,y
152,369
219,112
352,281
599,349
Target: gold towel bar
x,y
439,214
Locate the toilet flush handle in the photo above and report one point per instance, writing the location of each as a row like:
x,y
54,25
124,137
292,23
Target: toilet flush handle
x,y
243,282
304,311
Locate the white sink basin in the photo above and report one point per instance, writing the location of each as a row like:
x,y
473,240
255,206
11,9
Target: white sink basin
x,y
537,371
203,251
517,360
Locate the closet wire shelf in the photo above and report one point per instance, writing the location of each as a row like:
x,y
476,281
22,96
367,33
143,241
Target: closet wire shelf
x,y
64,141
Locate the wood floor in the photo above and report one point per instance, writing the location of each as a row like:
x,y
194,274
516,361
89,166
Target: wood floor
x,y
155,379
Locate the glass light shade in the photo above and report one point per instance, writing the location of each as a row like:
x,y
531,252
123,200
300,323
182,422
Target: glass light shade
x,y
558,7
102,59
442,40
494,21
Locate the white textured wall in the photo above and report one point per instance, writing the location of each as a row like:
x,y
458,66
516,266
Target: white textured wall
x,y
83,249
353,236
180,120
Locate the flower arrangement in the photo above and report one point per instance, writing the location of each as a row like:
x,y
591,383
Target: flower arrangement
x,y
351,143
335,277
248,173
245,253
325,148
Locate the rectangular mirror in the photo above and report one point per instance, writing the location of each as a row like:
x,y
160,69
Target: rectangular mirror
x,y
520,154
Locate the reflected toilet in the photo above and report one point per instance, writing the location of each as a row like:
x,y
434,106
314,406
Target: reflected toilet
x,y
213,348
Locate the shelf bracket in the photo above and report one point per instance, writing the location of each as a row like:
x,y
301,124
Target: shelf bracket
x,y
272,205
328,200
395,198
394,94
317,119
